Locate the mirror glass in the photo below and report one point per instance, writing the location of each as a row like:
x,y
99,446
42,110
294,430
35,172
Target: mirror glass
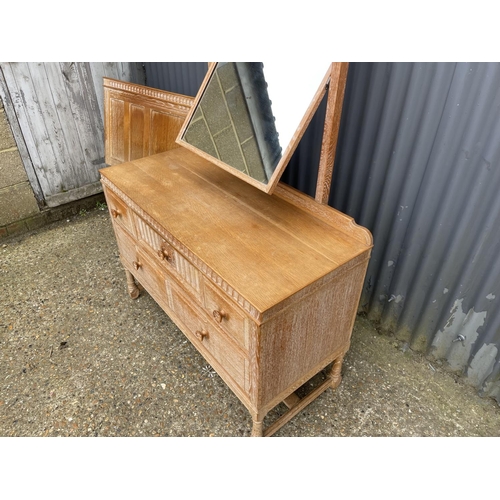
x,y
249,116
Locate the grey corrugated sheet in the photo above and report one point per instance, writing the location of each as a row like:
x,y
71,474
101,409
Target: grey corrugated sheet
x,y
418,164
179,77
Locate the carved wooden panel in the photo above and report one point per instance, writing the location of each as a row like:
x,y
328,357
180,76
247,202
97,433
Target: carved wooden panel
x,y
140,121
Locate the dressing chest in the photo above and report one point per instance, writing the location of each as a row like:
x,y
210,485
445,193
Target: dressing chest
x,y
265,286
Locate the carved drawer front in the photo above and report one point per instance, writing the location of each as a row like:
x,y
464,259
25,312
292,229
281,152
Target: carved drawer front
x,y
168,257
119,211
141,266
207,338
149,276
126,247
226,315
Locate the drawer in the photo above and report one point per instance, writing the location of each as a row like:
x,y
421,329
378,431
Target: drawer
x,y
210,339
166,256
141,266
119,212
201,329
157,245
126,247
226,315
150,277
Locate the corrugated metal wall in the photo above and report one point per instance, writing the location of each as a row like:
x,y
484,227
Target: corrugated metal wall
x,y
418,164
179,77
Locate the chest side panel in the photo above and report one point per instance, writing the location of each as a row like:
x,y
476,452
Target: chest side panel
x,y
306,336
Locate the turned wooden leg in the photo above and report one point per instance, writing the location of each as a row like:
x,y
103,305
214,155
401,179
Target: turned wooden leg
x,y
335,375
133,290
257,428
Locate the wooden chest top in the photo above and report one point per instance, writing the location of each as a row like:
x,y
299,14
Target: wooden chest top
x,y
262,245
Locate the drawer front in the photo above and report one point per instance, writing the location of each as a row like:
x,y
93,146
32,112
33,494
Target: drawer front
x,y
126,247
208,338
160,248
141,266
226,315
166,256
149,276
119,212
199,327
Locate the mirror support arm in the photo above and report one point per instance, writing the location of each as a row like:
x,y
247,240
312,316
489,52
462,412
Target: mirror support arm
x,y
335,99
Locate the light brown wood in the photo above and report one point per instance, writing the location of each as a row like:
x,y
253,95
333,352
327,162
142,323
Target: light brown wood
x,y
334,218
308,248
296,409
133,290
336,89
283,283
335,373
292,400
257,428
140,121
265,287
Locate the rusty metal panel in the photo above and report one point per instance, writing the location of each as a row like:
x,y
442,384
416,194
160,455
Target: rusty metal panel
x,y
418,163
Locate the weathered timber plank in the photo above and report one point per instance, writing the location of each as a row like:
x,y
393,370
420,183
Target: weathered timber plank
x,y
58,109
28,106
18,137
72,164
58,156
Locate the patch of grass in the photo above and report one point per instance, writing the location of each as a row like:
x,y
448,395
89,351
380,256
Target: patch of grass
x,y
82,212
101,206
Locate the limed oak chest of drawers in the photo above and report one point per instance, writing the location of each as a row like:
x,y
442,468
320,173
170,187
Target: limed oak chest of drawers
x,y
266,287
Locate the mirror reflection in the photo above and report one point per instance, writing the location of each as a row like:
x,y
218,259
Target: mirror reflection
x,y
248,115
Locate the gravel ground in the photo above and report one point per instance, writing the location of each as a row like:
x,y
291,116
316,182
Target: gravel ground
x,y
78,357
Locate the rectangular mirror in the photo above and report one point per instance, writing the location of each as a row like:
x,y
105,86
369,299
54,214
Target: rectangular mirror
x,y
248,118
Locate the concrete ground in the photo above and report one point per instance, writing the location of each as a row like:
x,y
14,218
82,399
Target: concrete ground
x,y
78,357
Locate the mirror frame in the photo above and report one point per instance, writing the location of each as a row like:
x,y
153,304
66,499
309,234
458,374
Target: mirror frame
x,y
288,150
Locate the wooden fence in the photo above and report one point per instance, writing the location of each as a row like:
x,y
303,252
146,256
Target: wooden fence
x,y
55,110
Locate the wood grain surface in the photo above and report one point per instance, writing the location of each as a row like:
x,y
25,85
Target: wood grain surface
x,y
140,121
260,244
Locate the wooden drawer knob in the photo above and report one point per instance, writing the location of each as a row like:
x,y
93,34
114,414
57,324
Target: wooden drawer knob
x,y
201,334
219,315
164,254
115,213
137,265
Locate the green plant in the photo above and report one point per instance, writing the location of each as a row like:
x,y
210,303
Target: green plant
x,y
101,206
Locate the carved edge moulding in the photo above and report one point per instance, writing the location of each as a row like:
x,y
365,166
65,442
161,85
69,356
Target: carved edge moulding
x,y
334,83
140,121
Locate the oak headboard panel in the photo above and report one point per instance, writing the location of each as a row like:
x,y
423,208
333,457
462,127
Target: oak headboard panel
x,y
140,121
